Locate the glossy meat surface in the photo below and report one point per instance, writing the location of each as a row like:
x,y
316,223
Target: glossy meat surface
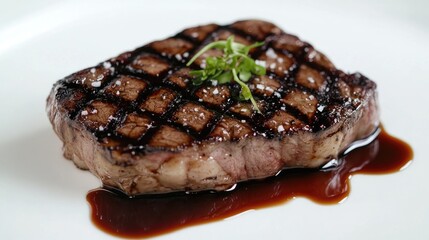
x,y
138,123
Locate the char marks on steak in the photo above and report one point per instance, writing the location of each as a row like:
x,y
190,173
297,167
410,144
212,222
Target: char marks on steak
x,y
138,123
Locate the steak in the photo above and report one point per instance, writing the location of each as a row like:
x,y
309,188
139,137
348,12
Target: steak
x,y
138,123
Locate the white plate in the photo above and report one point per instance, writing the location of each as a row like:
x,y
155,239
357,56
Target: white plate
x,y
43,195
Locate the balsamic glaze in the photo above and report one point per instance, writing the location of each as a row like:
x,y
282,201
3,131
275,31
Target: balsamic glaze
x,y
153,215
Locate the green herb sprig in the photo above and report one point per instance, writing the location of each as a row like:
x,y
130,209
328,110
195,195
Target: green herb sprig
x,y
235,65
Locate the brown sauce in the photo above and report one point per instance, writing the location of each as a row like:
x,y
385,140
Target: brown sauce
x,y
153,215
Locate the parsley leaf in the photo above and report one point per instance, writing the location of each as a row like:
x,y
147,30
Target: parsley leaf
x,y
235,65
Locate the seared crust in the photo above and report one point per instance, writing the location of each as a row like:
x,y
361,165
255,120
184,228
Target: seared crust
x,y
137,122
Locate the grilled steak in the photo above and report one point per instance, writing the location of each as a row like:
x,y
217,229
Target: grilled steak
x,y
138,123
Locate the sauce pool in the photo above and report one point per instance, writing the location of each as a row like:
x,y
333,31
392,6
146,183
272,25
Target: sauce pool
x,y
148,216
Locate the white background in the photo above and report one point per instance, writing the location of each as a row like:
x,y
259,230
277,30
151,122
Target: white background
x,y
42,196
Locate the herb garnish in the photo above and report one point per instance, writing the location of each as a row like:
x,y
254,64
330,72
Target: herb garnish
x,y
235,64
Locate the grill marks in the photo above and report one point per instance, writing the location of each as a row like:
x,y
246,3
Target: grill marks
x,y
146,95
257,29
149,64
224,34
193,116
159,101
135,126
180,78
199,33
91,79
305,102
282,121
313,56
70,99
264,85
245,109
231,129
171,47
310,78
98,114
215,96
126,87
169,138
289,43
278,63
